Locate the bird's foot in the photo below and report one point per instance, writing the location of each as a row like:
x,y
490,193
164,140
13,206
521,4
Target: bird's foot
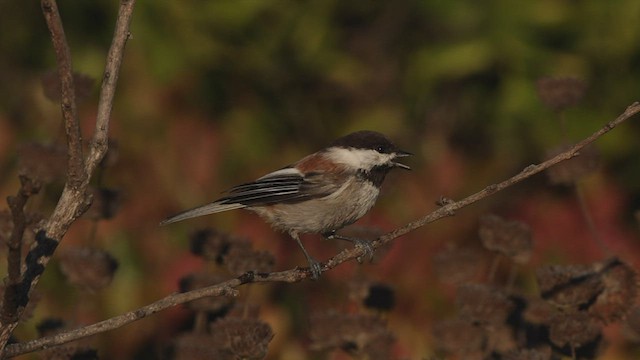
x,y
315,268
364,244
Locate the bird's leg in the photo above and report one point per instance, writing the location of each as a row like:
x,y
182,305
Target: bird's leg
x,y
365,244
314,266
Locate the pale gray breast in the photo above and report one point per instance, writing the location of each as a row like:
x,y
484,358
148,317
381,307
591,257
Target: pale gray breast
x,y
343,207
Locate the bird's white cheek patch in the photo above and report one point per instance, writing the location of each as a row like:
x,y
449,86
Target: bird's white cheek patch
x,y
359,158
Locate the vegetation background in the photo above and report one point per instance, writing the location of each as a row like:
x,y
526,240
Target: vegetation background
x,y
220,92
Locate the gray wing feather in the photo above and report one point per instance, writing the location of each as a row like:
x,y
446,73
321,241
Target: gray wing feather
x,y
287,185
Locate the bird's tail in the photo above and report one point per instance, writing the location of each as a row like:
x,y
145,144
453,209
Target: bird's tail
x,y
211,208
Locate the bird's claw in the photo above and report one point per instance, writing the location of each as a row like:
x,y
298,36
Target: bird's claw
x,y
315,268
366,246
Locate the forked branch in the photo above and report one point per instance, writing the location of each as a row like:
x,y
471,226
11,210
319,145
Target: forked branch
x,y
73,201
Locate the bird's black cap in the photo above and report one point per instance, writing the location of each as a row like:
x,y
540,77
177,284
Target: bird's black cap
x,y
366,139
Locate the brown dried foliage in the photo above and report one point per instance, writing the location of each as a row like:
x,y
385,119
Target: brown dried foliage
x,y
573,328
104,205
360,334
510,238
460,337
88,268
228,338
543,353
575,303
482,304
607,289
458,265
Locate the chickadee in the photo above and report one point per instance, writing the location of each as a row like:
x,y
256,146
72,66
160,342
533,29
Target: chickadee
x,y
321,193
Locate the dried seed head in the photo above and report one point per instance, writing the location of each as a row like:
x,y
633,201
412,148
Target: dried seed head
x,y
543,353
510,238
212,304
605,289
105,204
361,334
380,297
570,286
197,346
574,169
380,347
44,163
500,338
483,304
112,155
620,291
573,328
459,337
240,260
243,338
372,295
88,268
214,245
51,85
458,265
538,311
632,323
559,93
209,243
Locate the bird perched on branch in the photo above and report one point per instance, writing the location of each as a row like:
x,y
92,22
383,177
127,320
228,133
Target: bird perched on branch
x,y
321,193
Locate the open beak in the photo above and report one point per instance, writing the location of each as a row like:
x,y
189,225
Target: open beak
x,y
401,154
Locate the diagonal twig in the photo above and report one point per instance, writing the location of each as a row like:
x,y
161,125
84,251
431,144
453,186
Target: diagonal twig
x,y
452,207
76,174
99,142
227,288
73,201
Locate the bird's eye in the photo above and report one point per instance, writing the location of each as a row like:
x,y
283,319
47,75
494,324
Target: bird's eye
x,y
380,149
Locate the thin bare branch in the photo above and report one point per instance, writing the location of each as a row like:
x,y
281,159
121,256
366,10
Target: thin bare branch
x,y
224,289
73,201
99,143
76,174
452,206
227,288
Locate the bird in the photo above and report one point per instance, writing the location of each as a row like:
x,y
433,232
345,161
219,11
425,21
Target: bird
x,y
319,194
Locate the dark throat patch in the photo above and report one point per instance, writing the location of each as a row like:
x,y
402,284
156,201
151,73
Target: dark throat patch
x,y
375,175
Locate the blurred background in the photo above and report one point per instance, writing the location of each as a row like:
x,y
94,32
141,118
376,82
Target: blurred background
x,y
216,93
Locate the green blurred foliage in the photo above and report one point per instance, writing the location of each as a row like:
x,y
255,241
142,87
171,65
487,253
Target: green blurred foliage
x,y
219,92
